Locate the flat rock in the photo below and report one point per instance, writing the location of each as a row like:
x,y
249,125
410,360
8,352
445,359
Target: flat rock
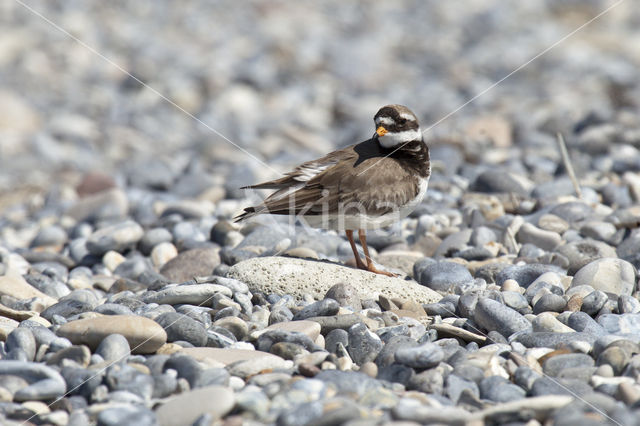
x,y
225,356
193,294
12,284
300,277
185,409
144,335
310,328
251,367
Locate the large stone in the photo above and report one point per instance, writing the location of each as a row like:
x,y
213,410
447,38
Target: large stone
x,y
191,263
300,277
610,275
144,335
12,284
186,408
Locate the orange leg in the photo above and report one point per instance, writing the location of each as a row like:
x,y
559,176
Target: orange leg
x,y
362,234
359,263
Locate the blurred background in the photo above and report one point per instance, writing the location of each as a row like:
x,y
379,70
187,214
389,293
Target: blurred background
x,y
290,80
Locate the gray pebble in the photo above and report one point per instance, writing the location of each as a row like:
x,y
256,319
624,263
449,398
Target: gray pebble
x,y
364,345
455,385
547,339
346,295
22,338
593,302
181,327
424,356
114,347
130,414
524,275
555,365
334,337
66,308
628,304
492,315
549,303
117,237
581,321
499,389
443,275
516,301
570,387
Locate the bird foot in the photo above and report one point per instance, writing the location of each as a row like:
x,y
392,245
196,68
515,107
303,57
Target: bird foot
x,y
372,268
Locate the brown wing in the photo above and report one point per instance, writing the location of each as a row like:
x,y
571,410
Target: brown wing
x,y
343,179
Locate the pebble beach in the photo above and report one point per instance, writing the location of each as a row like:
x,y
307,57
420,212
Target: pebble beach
x,y
128,295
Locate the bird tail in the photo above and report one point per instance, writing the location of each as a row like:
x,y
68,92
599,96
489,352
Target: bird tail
x,y
248,213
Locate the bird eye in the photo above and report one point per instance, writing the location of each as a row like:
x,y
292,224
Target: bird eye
x,y
402,121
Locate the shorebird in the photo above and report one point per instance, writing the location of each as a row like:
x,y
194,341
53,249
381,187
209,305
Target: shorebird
x,y
368,185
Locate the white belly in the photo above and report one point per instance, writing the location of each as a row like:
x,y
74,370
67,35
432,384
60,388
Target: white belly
x,y
341,222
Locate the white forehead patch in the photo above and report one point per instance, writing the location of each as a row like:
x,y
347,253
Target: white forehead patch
x,y
385,120
408,117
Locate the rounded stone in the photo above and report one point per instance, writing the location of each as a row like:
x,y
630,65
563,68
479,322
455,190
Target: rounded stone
x,y
181,327
346,295
321,308
235,325
610,275
424,356
114,347
144,335
546,240
443,275
22,338
163,253
364,345
549,303
492,315
191,263
555,365
593,302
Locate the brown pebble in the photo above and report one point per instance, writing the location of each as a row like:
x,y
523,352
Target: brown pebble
x,y
575,303
413,306
308,370
562,351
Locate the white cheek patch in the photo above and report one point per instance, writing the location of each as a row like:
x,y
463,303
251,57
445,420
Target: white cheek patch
x,y
385,120
392,140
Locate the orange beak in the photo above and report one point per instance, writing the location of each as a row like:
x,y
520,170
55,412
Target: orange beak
x,y
381,131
